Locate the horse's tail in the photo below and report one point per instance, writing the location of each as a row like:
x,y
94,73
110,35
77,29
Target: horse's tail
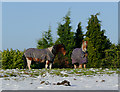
x,y
25,61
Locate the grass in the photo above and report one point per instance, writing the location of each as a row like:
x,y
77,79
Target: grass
x,y
57,72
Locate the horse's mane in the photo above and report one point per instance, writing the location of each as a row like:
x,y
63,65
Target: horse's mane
x,y
57,48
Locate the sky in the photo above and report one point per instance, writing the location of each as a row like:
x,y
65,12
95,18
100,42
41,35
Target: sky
x,y
24,22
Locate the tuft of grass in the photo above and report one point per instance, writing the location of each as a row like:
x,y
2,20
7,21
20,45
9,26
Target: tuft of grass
x,y
6,78
89,72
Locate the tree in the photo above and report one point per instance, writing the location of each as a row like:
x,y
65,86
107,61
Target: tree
x,y
66,36
12,59
112,57
6,62
98,42
46,40
78,36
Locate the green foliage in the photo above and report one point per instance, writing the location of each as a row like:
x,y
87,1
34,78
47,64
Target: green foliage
x,y
66,36
78,36
46,40
61,61
0,59
97,43
37,65
12,59
112,58
101,53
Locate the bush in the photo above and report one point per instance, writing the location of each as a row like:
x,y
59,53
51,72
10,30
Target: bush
x,y
0,59
37,65
12,59
112,58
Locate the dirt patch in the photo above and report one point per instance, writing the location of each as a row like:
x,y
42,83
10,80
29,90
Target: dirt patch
x,y
65,83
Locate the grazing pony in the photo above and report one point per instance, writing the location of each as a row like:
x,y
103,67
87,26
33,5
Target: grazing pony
x,y
79,55
46,55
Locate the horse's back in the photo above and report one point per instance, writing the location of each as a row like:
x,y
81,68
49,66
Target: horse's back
x,y
77,56
76,53
43,54
34,52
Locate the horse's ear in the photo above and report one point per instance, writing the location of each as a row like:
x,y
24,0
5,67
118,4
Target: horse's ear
x,y
82,40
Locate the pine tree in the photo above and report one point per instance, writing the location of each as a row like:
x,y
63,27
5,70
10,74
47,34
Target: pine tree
x,y
46,40
12,59
66,36
98,42
78,36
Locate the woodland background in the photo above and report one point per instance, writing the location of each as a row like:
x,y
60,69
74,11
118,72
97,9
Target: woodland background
x,y
101,52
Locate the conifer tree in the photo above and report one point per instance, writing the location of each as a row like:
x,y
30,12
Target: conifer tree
x,y
78,36
46,40
12,59
66,36
98,42
5,59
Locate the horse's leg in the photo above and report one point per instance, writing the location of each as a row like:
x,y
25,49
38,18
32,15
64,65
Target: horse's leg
x,y
84,65
46,65
28,63
75,66
50,66
80,66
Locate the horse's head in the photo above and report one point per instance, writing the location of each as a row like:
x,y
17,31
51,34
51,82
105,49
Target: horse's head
x,y
59,48
84,46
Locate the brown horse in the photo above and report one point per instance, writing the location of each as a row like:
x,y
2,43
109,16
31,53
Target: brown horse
x,y
79,55
42,55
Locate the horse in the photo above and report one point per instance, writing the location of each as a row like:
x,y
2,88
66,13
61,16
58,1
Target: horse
x,y
46,55
79,55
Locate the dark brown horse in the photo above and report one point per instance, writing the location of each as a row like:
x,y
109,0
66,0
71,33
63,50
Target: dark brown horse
x,y
79,55
42,55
